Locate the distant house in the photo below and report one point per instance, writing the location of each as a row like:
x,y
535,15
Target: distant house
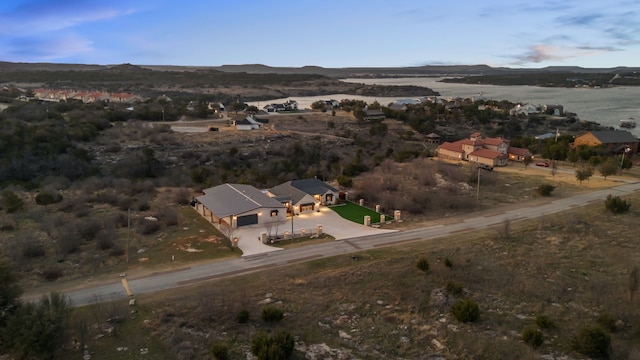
x,y
332,104
518,154
487,157
415,101
305,195
371,115
545,136
270,108
613,141
289,105
487,151
398,107
238,205
433,139
215,106
452,106
248,123
524,109
555,110
124,98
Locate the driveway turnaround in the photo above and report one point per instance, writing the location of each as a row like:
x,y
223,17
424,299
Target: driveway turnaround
x,y
332,224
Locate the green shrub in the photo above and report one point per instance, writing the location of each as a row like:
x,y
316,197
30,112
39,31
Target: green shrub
x,y
466,311
422,264
345,181
277,347
148,227
11,202
545,189
453,288
46,198
544,322
116,251
243,316
271,314
616,205
33,249
220,351
607,322
592,341
52,274
532,337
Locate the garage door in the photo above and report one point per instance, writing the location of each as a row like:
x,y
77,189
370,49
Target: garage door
x,y
307,207
247,220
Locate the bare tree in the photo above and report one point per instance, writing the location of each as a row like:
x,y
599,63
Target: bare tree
x,y
505,230
633,282
229,232
82,327
272,227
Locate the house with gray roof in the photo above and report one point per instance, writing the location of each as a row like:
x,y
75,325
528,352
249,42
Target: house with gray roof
x,y
613,141
305,195
239,205
248,123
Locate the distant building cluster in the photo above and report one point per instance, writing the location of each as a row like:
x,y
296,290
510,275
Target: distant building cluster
x,y
57,95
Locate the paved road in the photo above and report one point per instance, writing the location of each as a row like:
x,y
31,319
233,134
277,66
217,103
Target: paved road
x,y
217,269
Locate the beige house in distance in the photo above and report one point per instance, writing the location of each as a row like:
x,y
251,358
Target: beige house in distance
x,y
487,151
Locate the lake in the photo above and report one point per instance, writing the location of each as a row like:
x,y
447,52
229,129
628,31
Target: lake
x,y
605,106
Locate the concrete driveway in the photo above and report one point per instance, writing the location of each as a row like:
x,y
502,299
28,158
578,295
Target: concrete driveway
x,y
332,224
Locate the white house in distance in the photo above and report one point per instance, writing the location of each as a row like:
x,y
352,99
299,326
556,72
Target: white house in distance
x,y
524,109
305,195
248,123
289,105
239,205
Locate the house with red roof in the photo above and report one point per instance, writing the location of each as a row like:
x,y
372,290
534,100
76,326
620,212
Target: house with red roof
x,y
519,154
487,151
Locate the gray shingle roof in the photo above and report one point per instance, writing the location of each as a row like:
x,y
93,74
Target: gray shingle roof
x,y
297,189
312,186
614,136
286,191
232,199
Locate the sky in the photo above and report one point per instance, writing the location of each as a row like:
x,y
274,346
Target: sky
x,y
328,33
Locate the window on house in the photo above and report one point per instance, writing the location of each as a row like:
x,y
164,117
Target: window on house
x,y
274,212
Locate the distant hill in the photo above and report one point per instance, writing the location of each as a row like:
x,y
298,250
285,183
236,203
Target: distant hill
x,y
427,70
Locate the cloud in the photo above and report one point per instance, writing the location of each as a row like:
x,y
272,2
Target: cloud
x,y
37,16
541,53
621,27
582,20
48,48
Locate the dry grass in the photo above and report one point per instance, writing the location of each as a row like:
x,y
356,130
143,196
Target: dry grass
x,y
571,268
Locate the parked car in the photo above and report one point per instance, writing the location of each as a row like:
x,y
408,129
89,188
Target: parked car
x,y
543,164
485,167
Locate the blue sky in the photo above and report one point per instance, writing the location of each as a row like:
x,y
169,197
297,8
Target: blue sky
x,y
328,33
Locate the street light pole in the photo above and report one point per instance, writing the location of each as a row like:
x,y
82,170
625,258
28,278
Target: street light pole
x,y
128,233
478,187
626,150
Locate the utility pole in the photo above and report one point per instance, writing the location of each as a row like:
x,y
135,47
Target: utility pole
x,y
128,232
478,187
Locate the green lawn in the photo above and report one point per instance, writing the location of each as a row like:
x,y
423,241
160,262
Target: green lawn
x,y
356,213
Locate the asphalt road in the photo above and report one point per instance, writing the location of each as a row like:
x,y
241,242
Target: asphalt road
x,y
217,269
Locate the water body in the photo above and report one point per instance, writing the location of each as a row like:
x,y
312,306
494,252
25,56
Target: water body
x,y
605,106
